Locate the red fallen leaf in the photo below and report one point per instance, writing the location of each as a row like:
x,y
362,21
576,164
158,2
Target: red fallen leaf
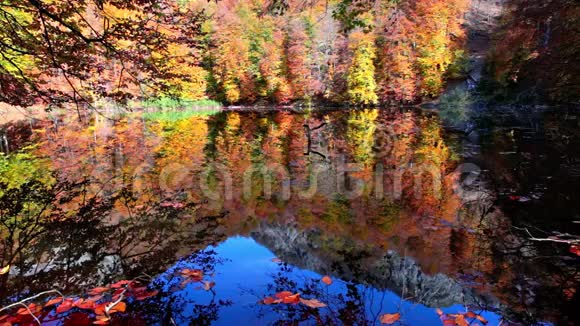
x,y
119,307
207,285
515,197
326,280
54,301
269,300
460,321
481,319
26,311
120,284
575,249
439,311
276,260
283,294
390,318
292,299
100,309
312,303
145,295
65,306
98,290
470,314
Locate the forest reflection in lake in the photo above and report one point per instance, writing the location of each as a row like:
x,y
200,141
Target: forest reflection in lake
x,y
384,201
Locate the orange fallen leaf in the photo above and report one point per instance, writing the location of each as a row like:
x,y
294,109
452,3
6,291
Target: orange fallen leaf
x,y
269,300
460,321
481,319
292,299
439,311
26,311
207,285
326,280
390,318
100,309
312,303
54,301
119,307
65,306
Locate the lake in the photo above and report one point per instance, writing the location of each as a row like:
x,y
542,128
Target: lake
x,y
369,215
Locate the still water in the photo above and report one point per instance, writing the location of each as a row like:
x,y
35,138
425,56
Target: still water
x,y
403,216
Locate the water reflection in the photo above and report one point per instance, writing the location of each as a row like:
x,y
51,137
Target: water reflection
x,y
378,210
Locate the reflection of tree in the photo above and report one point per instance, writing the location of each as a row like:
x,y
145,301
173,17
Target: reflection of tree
x,y
169,308
348,306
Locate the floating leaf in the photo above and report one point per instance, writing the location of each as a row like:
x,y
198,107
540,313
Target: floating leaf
x,y
460,321
276,260
54,301
312,303
390,318
269,300
65,306
481,319
100,308
120,284
119,307
207,285
26,311
326,280
439,311
292,299
85,304
283,294
5,270
575,249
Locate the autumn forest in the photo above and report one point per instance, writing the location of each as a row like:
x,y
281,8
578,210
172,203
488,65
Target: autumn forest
x,y
289,162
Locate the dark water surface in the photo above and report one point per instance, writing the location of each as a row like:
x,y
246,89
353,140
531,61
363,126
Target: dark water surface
x,y
404,216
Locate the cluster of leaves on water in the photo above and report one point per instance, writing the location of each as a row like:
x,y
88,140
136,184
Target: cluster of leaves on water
x,y
99,304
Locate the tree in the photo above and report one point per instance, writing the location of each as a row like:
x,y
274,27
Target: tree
x,y
361,74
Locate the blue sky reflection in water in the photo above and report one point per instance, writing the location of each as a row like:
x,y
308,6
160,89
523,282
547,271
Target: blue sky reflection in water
x,y
246,274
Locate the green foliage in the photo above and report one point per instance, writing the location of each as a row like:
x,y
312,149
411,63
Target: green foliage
x,y
21,168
